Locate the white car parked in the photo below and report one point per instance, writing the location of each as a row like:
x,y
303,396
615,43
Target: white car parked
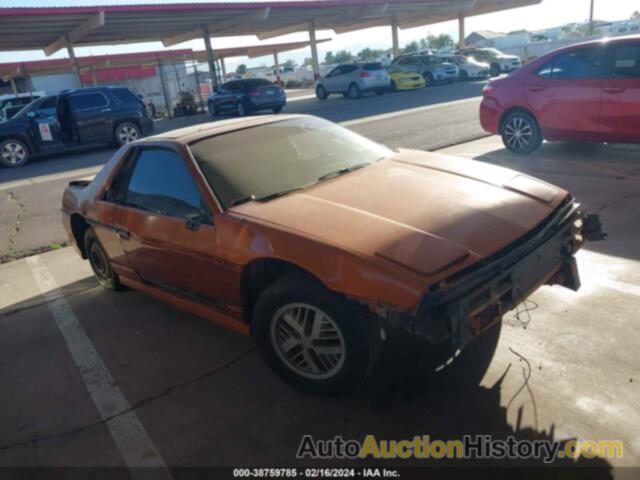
x,y
469,67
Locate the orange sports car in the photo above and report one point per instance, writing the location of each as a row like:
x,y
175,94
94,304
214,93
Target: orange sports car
x,y
323,245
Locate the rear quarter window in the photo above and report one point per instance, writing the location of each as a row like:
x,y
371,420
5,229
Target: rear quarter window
x,y
125,95
370,67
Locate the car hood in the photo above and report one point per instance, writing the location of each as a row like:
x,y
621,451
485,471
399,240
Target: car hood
x,y
423,211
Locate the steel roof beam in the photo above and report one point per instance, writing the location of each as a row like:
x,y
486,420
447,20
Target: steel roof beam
x,y
94,22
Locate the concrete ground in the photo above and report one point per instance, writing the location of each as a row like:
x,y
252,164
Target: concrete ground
x,y
176,390
30,195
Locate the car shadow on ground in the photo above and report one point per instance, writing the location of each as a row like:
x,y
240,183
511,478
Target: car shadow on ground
x,y
604,178
200,413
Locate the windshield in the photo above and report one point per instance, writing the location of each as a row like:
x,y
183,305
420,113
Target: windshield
x,y
263,161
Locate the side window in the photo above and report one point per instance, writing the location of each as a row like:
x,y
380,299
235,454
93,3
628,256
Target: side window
x,y
626,61
125,95
582,63
160,183
49,106
87,101
349,69
336,71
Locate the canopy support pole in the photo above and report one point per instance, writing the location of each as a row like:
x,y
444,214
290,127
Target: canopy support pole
x,y
314,51
74,62
223,68
165,94
277,64
394,35
14,88
197,78
210,57
461,33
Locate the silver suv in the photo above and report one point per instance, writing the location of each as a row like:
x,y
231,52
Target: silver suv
x,y
432,68
353,79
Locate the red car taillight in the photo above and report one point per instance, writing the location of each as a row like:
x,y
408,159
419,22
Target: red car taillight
x,y
364,74
486,91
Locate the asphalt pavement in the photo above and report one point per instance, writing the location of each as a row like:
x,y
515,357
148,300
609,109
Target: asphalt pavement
x,y
425,119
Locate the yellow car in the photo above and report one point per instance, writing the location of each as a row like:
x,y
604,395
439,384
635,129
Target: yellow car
x,y
406,80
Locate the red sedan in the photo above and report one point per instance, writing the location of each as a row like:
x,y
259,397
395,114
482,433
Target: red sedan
x,y
585,92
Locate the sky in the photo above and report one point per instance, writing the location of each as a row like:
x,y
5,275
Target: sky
x,y
549,13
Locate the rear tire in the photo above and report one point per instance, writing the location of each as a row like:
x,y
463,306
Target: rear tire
x,y
100,263
354,92
127,132
321,93
277,110
464,76
213,110
495,70
13,153
520,133
312,338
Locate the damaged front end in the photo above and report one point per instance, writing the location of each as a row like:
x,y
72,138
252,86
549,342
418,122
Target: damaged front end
x,y
457,310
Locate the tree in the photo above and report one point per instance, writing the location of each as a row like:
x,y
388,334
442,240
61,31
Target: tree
x,y
308,61
343,56
329,58
241,69
635,15
441,41
411,47
289,63
370,54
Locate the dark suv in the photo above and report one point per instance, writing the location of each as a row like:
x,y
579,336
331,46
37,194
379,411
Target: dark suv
x,y
71,120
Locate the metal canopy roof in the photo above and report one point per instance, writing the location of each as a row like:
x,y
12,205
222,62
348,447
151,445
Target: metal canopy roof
x,y
51,29
44,67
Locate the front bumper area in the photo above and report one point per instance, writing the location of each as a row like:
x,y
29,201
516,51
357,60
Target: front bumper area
x,y
462,307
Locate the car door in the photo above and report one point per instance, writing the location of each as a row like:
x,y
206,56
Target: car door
x,y
332,80
91,114
166,228
231,92
620,117
45,127
565,94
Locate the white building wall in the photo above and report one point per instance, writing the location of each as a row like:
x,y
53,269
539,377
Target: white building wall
x,y
52,84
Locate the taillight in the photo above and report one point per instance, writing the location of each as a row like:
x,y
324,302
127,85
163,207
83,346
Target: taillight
x,y
364,74
486,91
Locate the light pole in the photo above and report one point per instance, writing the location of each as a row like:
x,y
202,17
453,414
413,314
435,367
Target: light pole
x,y
591,18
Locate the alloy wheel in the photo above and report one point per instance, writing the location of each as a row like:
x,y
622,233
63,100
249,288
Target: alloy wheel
x,y
127,134
13,153
354,91
518,133
308,341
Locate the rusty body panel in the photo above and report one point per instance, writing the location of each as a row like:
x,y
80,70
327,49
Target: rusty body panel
x,y
389,235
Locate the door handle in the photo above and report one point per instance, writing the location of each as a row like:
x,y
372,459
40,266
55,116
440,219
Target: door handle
x,y
537,88
192,225
614,90
124,235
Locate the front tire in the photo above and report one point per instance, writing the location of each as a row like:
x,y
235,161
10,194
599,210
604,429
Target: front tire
x,y
127,132
321,93
464,76
213,111
312,338
520,133
394,86
495,70
428,78
100,263
13,153
354,92
241,111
